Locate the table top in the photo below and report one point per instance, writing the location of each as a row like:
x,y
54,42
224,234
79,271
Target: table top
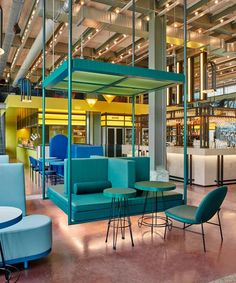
x,y
119,193
9,216
155,186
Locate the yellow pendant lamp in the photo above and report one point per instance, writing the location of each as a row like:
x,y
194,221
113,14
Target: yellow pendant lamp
x,y
109,98
91,99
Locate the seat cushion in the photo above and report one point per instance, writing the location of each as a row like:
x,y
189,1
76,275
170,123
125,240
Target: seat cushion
x,y
28,239
183,213
96,206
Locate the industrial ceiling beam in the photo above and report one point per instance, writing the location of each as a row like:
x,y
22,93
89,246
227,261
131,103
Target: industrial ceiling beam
x,y
222,14
197,6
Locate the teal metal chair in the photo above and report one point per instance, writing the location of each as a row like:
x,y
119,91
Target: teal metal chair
x,y
192,215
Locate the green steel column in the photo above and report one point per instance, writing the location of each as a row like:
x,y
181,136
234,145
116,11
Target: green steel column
x,y
43,101
133,125
185,104
69,187
133,62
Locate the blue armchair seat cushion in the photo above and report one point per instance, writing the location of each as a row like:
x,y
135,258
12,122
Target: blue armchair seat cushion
x,y
28,239
183,213
91,207
91,187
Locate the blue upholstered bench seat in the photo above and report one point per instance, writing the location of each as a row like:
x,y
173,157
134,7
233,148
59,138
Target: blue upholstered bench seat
x,y
92,207
28,239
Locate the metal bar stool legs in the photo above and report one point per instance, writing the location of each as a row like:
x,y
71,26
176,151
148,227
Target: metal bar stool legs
x,y
119,220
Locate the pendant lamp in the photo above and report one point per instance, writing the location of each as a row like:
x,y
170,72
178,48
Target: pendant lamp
x,y
91,99
109,98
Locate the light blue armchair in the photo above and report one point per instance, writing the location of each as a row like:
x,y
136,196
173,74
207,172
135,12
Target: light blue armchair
x,y
31,238
4,159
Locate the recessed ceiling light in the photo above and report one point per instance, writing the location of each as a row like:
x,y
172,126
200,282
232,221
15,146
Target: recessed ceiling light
x,y
148,18
216,1
175,25
222,20
196,13
200,30
117,10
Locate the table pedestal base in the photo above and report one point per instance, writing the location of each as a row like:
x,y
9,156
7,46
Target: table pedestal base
x,y
154,220
8,269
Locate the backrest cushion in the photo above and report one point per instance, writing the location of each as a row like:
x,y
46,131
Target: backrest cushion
x,y
85,151
91,187
12,185
142,168
4,159
86,170
210,204
58,147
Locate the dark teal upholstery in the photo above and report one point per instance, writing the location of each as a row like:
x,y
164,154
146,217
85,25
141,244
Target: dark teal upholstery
x,y
87,170
91,187
209,206
120,172
183,213
93,207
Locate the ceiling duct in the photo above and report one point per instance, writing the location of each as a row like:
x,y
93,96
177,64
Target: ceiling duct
x,y
91,17
55,10
60,12
14,15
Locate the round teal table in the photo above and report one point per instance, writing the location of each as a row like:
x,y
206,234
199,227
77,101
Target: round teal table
x,y
119,212
154,220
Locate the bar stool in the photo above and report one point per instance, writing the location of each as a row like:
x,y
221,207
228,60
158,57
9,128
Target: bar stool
x,y
119,212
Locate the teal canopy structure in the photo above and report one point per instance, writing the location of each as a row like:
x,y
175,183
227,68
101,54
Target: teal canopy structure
x,y
105,78
95,77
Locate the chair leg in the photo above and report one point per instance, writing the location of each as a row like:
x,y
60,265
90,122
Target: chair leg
x,y
221,234
184,226
166,226
203,238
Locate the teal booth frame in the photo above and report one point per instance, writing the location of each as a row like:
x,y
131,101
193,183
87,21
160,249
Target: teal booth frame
x,y
64,73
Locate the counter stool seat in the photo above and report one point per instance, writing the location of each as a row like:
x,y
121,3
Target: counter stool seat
x,y
119,212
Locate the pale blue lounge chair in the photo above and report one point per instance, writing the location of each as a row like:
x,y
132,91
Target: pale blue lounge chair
x,y
31,238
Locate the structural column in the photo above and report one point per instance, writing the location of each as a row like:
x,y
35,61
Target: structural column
x,y
157,100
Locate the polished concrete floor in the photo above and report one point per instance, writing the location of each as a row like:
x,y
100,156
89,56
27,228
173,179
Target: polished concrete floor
x,y
80,254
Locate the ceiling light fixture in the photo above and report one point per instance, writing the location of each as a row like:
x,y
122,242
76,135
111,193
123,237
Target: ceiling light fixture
x,y
222,20
196,13
91,99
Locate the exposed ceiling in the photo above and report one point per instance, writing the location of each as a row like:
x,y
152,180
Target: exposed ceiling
x,y
104,29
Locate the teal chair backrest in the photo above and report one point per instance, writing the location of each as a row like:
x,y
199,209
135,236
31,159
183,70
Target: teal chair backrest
x,y
4,159
142,167
87,170
12,185
210,204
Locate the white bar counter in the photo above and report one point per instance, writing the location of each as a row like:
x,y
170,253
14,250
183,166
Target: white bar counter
x,y
204,164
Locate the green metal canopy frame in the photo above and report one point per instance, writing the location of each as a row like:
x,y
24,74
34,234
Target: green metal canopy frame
x,y
87,76
105,78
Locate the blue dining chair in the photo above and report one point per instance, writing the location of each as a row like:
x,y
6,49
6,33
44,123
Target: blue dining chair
x,y
193,215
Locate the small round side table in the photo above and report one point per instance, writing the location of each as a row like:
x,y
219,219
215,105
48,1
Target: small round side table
x,y
154,220
119,212
8,217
